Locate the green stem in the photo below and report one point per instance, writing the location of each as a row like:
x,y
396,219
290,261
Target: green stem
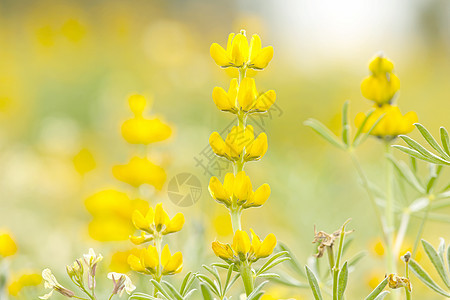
x,y
110,297
365,183
236,218
247,278
390,222
242,73
407,292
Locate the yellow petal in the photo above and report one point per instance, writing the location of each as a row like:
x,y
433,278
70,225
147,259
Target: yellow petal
x,y
256,242
220,55
260,196
247,94
174,264
380,65
222,101
140,171
7,245
239,51
241,242
223,251
161,218
257,148
145,131
262,60
138,240
175,224
218,192
140,222
255,46
267,246
84,162
242,187
217,144
135,263
150,257
165,255
228,184
265,101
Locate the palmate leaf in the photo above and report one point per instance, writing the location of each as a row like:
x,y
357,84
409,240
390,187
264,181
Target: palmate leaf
x,y
437,260
425,278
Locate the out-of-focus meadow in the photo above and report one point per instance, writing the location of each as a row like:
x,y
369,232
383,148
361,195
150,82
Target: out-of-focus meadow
x,y
68,67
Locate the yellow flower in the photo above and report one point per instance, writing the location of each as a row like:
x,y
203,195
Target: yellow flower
x,y
111,211
392,123
248,98
7,245
238,140
382,84
148,261
139,171
119,260
140,130
243,249
238,190
238,53
84,162
23,281
155,222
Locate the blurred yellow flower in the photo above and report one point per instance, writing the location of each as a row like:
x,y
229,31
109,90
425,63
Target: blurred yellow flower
x,y
237,190
155,222
119,260
8,246
392,123
73,30
222,224
244,250
23,281
111,211
382,84
84,162
236,141
248,98
238,53
140,130
148,261
140,171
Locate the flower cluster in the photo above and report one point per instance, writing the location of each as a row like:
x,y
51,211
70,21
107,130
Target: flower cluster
x,y
239,147
153,226
381,87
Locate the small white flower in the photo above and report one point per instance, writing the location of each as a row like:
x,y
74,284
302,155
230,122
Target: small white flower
x,y
121,282
91,258
52,283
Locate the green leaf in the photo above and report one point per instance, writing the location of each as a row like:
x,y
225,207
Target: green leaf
x,y
288,280
425,278
206,292
345,125
419,148
313,284
448,256
430,139
160,288
256,294
173,290
213,286
273,261
356,258
406,174
227,281
416,154
269,275
187,282
360,129
215,273
445,140
374,294
141,296
367,134
324,132
437,261
382,295
342,281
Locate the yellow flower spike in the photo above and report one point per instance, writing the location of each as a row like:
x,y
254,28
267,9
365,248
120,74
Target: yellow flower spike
x,y
257,149
161,218
218,192
392,124
259,57
234,144
222,251
175,224
140,171
226,101
382,85
8,246
171,264
259,197
241,243
84,162
242,189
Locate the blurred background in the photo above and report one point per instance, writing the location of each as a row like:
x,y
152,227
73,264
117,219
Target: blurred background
x,y
68,67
